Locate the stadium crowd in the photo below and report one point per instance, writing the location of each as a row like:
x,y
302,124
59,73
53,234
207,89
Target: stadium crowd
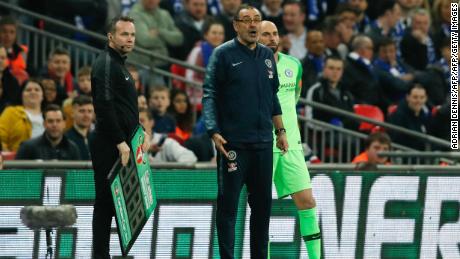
x,y
391,54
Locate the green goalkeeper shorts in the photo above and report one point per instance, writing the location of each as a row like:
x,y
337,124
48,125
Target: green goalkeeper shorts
x,y
290,173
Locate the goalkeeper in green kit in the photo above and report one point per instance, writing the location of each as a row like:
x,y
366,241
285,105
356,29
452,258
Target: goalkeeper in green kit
x,y
290,172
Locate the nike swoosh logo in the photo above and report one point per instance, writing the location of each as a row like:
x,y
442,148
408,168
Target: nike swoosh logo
x,y
236,64
127,78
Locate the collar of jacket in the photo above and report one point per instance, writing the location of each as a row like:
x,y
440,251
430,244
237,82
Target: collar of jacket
x,y
64,141
327,86
114,54
246,49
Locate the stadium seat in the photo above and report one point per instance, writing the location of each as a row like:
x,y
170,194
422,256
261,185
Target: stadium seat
x,y
434,111
8,155
391,109
370,111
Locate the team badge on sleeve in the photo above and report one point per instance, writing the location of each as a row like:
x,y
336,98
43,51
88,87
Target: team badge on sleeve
x,y
231,155
232,165
288,72
268,62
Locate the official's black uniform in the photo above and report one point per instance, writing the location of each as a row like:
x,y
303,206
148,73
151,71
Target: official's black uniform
x,y
239,102
115,105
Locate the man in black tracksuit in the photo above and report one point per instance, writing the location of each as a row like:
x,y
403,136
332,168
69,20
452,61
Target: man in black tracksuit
x,y
239,104
115,105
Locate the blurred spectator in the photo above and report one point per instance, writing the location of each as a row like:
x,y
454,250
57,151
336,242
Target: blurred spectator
x,y
296,33
183,113
190,22
58,69
394,74
375,143
345,29
437,78
118,7
360,77
136,77
80,133
317,10
84,81
50,92
3,102
313,63
363,20
17,54
411,114
89,15
163,148
329,91
52,144
114,9
203,147
19,123
155,31
407,7
441,29
84,88
159,101
126,6
333,38
229,8
10,90
386,23
417,47
348,14
142,102
273,11
173,7
199,56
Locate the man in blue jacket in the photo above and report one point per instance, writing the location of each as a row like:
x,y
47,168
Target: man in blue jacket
x,y
240,107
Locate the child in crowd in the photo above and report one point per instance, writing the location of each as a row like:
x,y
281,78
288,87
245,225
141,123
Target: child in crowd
x,y
83,88
159,101
84,81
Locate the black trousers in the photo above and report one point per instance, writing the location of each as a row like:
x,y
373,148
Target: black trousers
x,y
104,155
253,167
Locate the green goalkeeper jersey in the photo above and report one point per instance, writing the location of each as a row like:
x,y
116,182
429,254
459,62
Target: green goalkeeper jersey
x,y
290,76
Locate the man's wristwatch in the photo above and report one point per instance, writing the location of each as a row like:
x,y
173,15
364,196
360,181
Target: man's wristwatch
x,y
280,131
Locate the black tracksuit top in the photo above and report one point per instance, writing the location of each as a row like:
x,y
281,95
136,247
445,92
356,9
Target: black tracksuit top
x,y
239,93
114,98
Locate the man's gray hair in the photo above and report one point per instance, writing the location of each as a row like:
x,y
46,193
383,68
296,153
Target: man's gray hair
x,y
360,41
420,11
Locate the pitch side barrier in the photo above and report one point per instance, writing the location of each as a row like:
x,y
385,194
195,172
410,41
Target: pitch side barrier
x,y
393,212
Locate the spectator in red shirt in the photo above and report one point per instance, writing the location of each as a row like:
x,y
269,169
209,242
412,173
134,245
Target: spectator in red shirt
x,y
58,69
